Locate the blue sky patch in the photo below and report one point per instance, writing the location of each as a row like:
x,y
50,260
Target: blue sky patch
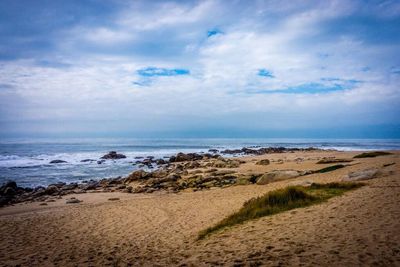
x,y
307,88
265,73
213,32
153,71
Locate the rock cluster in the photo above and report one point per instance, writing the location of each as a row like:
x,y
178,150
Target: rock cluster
x,y
265,150
113,155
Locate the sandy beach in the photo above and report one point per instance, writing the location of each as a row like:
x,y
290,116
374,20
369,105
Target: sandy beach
x,y
359,228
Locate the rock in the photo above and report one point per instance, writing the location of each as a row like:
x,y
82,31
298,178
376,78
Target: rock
x,y
224,172
160,162
227,163
263,162
277,175
91,185
70,186
101,161
88,160
185,157
73,201
137,175
362,175
4,200
57,161
113,198
9,191
113,155
213,150
43,204
9,183
51,189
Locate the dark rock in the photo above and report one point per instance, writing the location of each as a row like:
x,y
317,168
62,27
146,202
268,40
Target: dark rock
x,y
160,162
9,183
213,150
185,157
88,160
70,186
113,155
57,161
9,191
51,190
91,185
137,175
113,198
73,201
263,162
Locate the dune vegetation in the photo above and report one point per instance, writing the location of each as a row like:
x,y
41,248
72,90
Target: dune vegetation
x,y
281,200
372,154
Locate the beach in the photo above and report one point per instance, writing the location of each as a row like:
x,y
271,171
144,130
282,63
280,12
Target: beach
x,y
161,228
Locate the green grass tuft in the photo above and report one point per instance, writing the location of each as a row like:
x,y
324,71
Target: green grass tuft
x,y
281,200
330,168
371,154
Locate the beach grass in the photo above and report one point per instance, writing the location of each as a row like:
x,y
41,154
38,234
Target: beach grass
x,y
372,154
281,200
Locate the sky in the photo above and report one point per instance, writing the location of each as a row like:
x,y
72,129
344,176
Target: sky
x,y
200,68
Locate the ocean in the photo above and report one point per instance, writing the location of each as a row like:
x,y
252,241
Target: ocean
x,y
27,161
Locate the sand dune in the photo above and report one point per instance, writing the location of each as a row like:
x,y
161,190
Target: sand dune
x,y
360,228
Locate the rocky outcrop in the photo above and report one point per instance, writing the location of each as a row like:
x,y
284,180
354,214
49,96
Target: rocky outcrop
x,y
263,162
265,150
277,175
113,155
362,175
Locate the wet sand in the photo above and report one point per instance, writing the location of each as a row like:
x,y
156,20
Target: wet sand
x,y
360,228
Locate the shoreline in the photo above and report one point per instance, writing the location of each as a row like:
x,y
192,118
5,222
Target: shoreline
x,y
169,171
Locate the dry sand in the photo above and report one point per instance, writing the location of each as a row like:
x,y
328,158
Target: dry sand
x,y
360,228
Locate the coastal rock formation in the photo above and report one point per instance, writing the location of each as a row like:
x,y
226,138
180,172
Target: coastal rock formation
x,y
265,150
113,155
263,162
362,175
277,175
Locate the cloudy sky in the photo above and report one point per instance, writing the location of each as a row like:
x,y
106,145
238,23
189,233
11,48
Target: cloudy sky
x,y
200,68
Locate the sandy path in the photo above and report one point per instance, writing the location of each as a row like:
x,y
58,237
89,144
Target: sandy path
x,y
360,228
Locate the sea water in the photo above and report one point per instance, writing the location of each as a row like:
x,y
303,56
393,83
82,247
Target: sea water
x,y
27,161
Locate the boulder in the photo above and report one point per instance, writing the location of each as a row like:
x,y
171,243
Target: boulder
x,y
263,162
137,175
185,157
227,163
362,175
277,175
88,160
57,161
113,155
70,186
73,200
51,190
9,188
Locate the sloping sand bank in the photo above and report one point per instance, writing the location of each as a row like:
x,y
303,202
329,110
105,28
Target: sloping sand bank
x,y
361,227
